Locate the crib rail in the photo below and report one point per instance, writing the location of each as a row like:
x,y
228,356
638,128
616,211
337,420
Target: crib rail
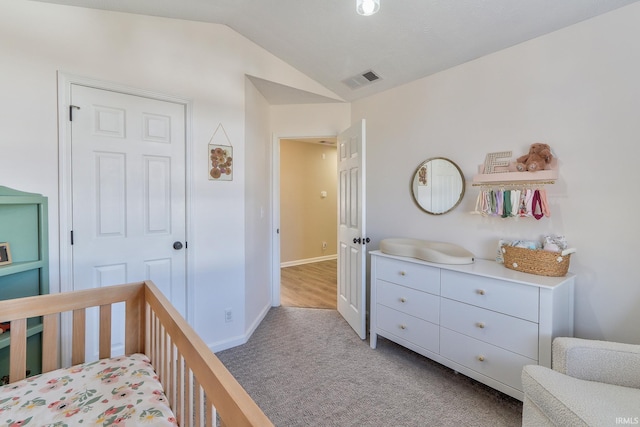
x,y
201,391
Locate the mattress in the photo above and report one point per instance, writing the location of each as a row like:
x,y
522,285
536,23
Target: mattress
x,y
120,391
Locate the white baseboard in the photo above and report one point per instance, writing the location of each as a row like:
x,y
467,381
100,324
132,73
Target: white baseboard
x,y
240,339
308,260
228,343
256,323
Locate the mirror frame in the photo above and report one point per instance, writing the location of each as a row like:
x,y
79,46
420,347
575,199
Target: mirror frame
x,y
413,178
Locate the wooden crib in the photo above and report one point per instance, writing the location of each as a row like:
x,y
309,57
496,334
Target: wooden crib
x,y
199,389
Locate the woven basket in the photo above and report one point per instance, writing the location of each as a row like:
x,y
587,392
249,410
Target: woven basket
x,y
542,263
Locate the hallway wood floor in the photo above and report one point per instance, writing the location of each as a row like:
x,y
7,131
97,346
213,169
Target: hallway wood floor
x,y
309,285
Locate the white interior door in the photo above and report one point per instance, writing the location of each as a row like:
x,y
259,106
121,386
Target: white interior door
x,y
351,228
128,194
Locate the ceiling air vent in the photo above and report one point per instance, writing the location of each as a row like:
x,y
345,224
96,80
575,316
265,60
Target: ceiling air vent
x,y
370,75
361,79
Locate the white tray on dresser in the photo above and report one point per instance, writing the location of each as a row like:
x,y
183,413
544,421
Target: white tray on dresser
x,y
480,319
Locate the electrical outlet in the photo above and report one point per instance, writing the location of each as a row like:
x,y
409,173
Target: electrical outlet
x,y
324,246
228,315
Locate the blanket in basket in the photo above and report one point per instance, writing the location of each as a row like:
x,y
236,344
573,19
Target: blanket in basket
x,y
121,391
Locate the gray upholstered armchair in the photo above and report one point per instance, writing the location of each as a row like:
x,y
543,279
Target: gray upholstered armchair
x,y
593,383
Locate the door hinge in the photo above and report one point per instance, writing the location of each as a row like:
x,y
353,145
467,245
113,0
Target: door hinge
x,y
71,107
72,237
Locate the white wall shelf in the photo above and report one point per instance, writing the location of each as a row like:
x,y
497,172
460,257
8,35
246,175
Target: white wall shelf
x,y
513,177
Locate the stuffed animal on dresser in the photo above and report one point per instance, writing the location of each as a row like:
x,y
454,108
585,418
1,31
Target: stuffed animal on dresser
x,y
538,158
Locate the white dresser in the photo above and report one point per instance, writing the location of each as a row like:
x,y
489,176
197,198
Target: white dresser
x,y
482,319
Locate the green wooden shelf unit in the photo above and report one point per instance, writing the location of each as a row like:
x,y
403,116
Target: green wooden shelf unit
x,y
23,224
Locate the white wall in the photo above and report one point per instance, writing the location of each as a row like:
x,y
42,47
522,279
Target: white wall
x,y
257,208
202,62
577,89
307,220
310,120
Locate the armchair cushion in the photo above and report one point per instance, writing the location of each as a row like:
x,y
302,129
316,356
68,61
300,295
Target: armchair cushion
x,y
601,361
562,400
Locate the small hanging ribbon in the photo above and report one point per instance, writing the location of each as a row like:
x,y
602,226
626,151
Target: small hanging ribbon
x,y
536,208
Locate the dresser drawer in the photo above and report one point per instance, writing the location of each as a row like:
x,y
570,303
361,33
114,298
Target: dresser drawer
x,y
498,295
510,333
407,300
494,362
409,328
412,275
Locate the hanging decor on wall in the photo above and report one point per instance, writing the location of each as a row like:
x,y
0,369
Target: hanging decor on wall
x,y
220,156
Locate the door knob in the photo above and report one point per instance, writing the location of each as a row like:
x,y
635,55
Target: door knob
x,y
177,245
356,240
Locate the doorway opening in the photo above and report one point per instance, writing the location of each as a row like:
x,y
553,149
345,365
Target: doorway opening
x,y
308,222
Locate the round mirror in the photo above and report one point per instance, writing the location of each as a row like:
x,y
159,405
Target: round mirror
x,y
437,186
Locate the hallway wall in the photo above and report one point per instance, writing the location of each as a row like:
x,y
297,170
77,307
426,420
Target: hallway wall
x,y
307,219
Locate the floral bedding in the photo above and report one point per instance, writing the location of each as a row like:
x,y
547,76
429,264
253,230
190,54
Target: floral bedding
x,y
121,391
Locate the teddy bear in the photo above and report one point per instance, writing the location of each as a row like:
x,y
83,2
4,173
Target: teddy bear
x,y
538,158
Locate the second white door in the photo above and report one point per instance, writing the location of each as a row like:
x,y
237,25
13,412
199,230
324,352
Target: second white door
x,y
351,228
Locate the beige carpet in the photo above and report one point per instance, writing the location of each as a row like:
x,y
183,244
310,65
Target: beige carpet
x,y
306,367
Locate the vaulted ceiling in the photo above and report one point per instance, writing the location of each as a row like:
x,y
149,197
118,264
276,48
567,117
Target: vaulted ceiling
x,y
404,41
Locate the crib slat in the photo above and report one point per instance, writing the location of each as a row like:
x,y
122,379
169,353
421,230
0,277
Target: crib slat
x,y
50,325
134,324
197,402
18,350
151,328
168,357
211,415
162,354
78,336
105,331
166,379
188,388
147,330
179,408
172,375
156,339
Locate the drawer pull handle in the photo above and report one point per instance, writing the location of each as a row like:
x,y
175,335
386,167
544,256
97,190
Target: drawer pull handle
x,y
480,325
481,358
403,300
480,291
403,273
403,327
